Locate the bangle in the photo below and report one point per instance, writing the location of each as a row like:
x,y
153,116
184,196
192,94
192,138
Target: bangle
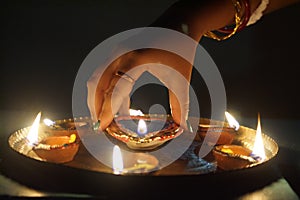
x,y
245,19
238,23
258,13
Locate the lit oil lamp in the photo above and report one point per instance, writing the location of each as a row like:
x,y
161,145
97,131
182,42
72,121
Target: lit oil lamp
x,y
236,156
133,163
144,132
225,133
62,128
58,149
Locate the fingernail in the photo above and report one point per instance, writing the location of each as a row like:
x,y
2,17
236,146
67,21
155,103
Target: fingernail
x,y
96,125
188,124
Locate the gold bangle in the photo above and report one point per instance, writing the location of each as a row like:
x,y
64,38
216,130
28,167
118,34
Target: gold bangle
x,y
238,22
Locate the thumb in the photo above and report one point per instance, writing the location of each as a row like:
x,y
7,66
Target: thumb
x,y
179,110
114,97
178,87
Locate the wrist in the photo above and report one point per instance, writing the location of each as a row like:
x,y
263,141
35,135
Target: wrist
x,y
194,17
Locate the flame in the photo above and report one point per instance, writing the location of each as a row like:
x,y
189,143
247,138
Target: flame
x,y
142,127
136,112
32,136
49,122
232,121
117,160
258,148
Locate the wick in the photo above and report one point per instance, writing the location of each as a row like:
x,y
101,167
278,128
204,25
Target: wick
x,y
256,157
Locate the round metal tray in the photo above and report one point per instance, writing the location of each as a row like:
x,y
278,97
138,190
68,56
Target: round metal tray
x,y
84,160
86,175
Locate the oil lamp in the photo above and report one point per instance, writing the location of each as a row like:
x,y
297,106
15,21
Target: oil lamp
x,y
62,128
133,163
236,156
144,132
225,133
58,149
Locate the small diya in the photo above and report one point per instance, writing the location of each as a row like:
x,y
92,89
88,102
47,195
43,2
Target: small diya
x,y
226,134
140,163
231,157
145,132
57,149
133,163
62,127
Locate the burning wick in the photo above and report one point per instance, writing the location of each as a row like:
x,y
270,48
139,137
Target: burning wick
x,y
142,127
50,123
258,151
32,136
136,112
117,160
233,123
136,163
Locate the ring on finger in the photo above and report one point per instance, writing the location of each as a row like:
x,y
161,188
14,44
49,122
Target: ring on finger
x,y
125,76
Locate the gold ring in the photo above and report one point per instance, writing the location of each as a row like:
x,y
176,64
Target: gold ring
x,y
125,76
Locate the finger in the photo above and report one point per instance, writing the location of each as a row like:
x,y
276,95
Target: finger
x,y
179,111
179,100
97,85
125,107
117,95
178,84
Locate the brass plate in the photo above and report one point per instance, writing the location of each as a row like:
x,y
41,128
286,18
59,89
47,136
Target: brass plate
x,y
83,160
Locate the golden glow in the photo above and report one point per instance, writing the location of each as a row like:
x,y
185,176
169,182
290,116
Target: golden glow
x,y
48,122
136,112
232,121
142,127
33,134
258,148
139,167
117,160
225,150
72,138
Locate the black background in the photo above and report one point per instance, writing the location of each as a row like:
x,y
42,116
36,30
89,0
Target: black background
x,y
43,44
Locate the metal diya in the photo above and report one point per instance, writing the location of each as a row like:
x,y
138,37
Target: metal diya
x,y
161,128
244,137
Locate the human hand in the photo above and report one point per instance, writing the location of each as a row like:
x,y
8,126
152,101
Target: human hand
x,y
109,94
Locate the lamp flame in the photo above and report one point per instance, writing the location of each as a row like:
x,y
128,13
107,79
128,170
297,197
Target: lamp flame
x,y
233,123
136,112
117,160
49,122
258,148
142,127
32,136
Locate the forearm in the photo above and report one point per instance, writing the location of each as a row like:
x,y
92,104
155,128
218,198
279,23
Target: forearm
x,y
197,17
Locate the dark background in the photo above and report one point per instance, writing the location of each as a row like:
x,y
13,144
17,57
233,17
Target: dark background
x,y
43,44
